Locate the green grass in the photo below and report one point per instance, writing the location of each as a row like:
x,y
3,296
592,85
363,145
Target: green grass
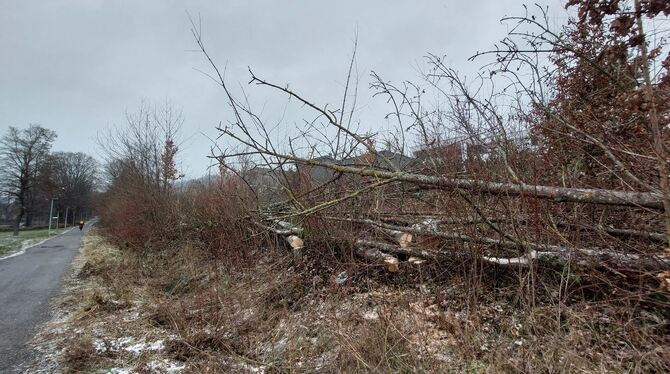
x,y
10,243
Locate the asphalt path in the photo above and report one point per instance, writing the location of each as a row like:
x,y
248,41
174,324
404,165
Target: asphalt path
x,y
27,283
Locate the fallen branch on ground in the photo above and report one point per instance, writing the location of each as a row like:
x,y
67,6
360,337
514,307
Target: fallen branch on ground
x,y
645,261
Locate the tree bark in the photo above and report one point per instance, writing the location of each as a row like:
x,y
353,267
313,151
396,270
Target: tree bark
x,y
29,218
17,220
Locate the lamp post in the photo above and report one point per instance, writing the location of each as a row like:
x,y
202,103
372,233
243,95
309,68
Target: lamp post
x,y
51,214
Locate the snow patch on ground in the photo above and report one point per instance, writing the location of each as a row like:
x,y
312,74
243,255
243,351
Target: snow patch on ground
x,y
102,346
139,347
246,368
168,366
119,371
371,315
128,344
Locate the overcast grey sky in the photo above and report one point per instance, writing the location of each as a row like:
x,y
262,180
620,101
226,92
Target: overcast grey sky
x,y
75,66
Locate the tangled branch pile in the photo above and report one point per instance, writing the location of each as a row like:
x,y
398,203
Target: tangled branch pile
x,y
567,163
543,182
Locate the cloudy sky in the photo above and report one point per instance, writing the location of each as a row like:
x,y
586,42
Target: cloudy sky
x,y
76,66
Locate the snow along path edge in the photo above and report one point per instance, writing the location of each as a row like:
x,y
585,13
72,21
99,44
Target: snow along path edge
x,y
24,249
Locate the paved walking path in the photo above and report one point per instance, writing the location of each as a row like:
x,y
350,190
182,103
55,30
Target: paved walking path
x,y
27,283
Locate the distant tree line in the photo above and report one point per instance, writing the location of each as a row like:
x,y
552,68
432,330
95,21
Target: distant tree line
x,y
32,176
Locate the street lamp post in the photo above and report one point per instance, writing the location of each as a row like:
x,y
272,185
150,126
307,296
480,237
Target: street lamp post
x,y
51,214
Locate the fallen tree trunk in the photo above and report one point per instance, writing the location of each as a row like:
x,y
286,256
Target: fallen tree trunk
x,y
289,232
444,221
433,255
520,261
409,251
280,231
403,239
542,250
653,236
577,195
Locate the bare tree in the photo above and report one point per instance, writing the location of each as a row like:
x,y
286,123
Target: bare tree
x,y
73,177
147,145
22,151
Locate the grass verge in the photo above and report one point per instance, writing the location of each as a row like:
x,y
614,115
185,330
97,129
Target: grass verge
x,y
10,244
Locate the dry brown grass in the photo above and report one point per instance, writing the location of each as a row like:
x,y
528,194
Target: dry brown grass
x,y
80,355
270,312
273,314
